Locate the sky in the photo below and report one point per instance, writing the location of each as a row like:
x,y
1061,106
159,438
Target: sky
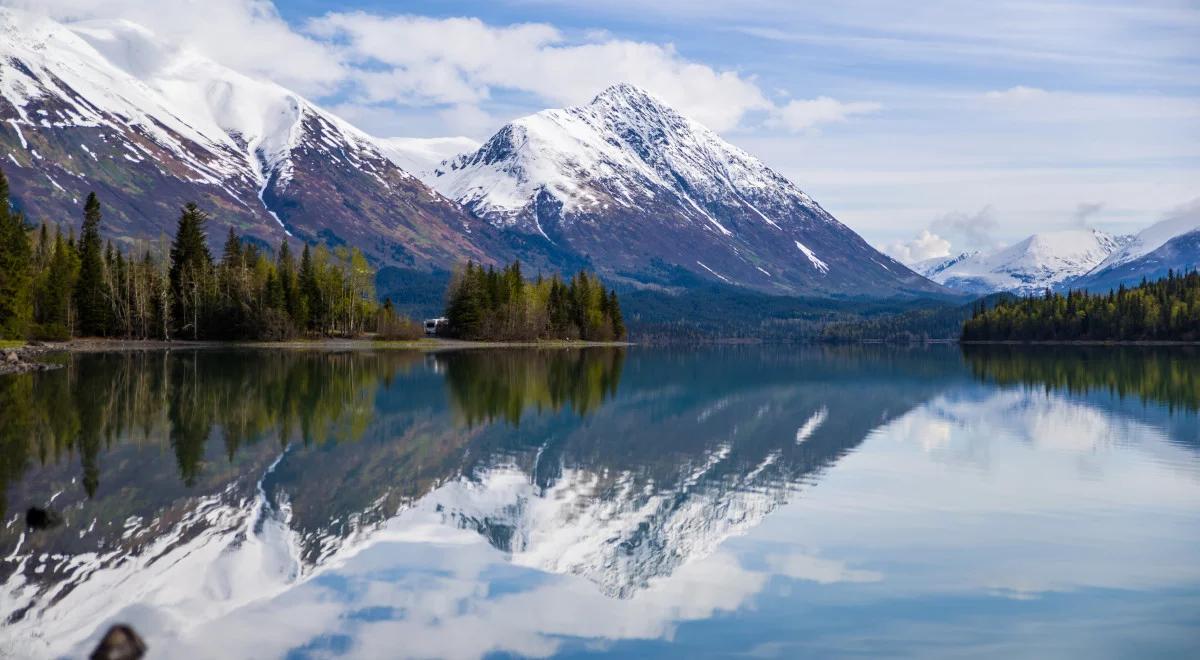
x,y
930,128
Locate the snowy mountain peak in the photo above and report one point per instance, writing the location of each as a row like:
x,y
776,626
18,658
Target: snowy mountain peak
x,y
643,192
1031,265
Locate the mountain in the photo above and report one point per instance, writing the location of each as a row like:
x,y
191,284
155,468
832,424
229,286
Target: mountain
x,y
649,196
935,266
1183,221
1040,261
106,106
1170,244
1180,254
624,185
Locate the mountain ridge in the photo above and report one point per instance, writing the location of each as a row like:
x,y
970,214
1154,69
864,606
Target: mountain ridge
x,y
628,165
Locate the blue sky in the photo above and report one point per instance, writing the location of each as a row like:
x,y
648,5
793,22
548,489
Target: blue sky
x,y
929,128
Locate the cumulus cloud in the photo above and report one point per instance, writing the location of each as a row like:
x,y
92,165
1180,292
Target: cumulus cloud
x,y
377,66
803,114
246,35
970,230
461,61
926,245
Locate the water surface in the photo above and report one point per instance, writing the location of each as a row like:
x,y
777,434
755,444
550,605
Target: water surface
x,y
779,502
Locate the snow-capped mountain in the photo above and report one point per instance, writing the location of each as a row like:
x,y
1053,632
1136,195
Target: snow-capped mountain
x,y
932,267
1032,265
1183,221
106,106
649,195
1170,244
1180,254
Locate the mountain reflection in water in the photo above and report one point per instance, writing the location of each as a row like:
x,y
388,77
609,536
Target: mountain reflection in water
x,y
193,483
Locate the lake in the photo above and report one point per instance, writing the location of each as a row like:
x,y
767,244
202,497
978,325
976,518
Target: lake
x,y
762,501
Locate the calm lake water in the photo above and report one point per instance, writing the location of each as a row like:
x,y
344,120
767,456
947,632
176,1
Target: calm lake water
x,y
775,502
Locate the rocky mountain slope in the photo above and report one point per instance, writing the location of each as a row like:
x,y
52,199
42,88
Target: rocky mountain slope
x,y
650,196
109,107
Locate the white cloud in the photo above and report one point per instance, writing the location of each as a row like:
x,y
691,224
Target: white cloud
x,y
926,245
800,115
973,230
1018,93
452,67
812,568
463,61
247,35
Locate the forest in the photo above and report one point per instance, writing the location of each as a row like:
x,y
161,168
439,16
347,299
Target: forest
x,y
56,286
1163,310
501,305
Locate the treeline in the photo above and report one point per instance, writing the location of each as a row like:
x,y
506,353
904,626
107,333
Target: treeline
x,y
501,305
1165,375
186,400
486,386
56,286
1163,310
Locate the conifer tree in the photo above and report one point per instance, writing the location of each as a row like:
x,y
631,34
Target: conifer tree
x,y
618,320
16,269
190,274
90,303
310,291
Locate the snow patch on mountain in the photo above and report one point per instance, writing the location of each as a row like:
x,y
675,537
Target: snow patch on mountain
x,y
812,258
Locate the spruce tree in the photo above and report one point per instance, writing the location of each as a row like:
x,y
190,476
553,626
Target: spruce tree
x,y
614,310
310,291
57,290
191,271
90,303
16,270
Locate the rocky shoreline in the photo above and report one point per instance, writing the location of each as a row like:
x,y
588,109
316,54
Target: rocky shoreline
x,y
25,359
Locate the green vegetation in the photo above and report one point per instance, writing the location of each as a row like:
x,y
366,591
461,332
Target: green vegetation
x,y
490,385
185,399
490,305
53,286
204,407
1164,310
1168,375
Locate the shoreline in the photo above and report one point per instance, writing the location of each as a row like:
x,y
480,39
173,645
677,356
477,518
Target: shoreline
x,y
26,356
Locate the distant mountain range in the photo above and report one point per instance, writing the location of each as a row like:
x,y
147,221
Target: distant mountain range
x,y
623,185
1072,259
1041,261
